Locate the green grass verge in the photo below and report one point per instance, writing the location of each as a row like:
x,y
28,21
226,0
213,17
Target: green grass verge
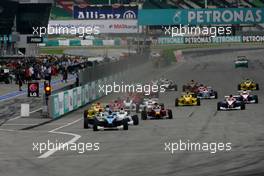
x,y
51,50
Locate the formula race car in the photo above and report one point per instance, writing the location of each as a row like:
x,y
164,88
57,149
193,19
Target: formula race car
x,y
89,114
192,86
248,85
123,114
148,103
109,120
241,61
157,111
246,97
230,103
116,105
168,84
205,92
188,99
130,105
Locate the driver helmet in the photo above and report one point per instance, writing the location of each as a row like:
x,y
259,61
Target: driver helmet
x,y
122,111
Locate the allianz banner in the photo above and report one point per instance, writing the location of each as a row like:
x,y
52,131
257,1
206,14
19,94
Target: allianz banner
x,y
105,12
201,16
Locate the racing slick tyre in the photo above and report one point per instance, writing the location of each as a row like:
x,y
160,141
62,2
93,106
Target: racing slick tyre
x,y
95,126
198,102
144,115
137,108
216,94
255,98
125,124
238,87
218,106
243,106
85,120
170,116
162,105
135,120
183,88
257,86
175,88
176,102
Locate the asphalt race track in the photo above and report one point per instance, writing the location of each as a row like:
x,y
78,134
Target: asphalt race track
x,y
141,150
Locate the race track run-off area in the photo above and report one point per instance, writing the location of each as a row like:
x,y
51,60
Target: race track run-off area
x,y
141,150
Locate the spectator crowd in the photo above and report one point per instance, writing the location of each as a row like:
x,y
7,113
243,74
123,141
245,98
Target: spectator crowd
x,y
24,70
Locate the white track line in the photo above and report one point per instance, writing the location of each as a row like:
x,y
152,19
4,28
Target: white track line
x,y
74,139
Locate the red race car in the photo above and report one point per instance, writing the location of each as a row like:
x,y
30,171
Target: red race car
x,y
157,111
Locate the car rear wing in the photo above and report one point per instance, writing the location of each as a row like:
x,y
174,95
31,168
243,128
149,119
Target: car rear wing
x,y
241,91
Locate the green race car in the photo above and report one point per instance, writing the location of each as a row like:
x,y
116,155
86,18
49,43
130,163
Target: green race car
x,y
241,61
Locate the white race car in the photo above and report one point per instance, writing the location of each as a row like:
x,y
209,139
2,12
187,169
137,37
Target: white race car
x,y
123,114
246,97
129,105
148,103
168,84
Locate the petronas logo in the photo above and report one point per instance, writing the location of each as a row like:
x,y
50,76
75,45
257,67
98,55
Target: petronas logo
x,y
177,17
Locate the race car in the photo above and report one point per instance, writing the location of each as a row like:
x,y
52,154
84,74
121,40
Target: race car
x,y
248,85
205,92
168,84
246,97
148,103
116,105
109,120
132,120
157,111
89,114
230,103
188,99
192,86
130,105
241,61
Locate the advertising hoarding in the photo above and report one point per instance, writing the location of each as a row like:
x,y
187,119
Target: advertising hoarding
x,y
103,26
201,16
33,89
105,12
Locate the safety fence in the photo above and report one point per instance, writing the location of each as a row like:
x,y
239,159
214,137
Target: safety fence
x,y
92,79
66,101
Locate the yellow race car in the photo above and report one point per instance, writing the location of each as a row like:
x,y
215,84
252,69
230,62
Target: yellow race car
x,y
248,85
188,99
89,114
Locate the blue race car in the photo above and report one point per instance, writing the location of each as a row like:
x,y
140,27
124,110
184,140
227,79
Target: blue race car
x,y
109,120
205,92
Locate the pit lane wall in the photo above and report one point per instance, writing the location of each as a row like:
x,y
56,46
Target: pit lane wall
x,y
66,101
79,42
